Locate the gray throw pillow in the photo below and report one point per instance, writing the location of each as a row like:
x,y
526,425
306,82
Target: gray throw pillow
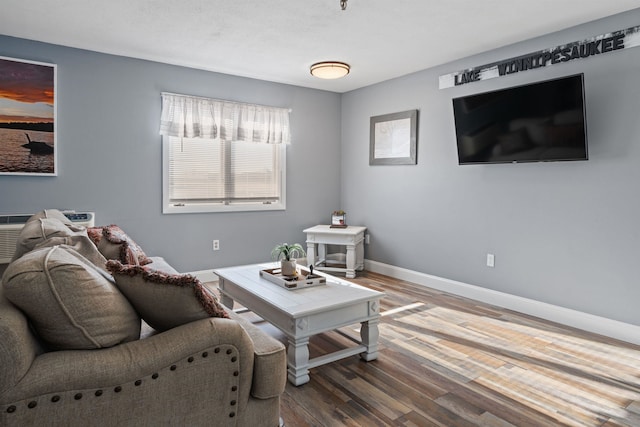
x,y
165,300
50,213
70,302
36,231
114,243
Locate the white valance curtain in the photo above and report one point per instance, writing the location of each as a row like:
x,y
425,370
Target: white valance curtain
x,y
195,117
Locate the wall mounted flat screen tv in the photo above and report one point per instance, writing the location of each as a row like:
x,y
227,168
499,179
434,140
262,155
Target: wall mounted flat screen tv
x,y
538,122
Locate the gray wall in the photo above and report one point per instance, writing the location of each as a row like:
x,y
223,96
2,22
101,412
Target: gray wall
x,y
564,233
110,157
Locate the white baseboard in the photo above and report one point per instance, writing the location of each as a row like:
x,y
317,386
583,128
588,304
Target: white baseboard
x,y
566,316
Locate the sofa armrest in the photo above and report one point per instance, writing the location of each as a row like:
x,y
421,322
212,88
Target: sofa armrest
x,y
86,369
270,365
18,346
194,372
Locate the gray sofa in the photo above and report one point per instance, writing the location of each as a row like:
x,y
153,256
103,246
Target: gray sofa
x,y
213,371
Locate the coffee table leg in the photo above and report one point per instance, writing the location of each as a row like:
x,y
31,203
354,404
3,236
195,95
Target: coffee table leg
x,y
369,335
227,300
298,361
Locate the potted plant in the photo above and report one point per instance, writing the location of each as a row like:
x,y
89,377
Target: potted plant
x,y
287,255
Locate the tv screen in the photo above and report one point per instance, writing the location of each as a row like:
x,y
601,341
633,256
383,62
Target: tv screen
x,y
538,122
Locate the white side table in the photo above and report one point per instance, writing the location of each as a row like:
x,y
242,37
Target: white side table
x,y
352,237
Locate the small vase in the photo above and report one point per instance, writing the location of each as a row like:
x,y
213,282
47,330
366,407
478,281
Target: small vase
x,y
288,267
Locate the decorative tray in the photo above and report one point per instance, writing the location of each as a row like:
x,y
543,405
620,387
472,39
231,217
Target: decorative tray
x,y
303,279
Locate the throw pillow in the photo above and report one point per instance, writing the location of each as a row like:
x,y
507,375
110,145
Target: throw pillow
x,y
50,213
81,244
72,304
36,231
165,300
115,244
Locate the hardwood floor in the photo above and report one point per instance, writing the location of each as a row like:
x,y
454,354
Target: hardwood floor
x,y
449,361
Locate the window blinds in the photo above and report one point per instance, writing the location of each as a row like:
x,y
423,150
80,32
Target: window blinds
x,y
214,171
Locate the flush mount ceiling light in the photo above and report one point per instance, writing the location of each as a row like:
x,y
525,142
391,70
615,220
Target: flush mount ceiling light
x,y
330,69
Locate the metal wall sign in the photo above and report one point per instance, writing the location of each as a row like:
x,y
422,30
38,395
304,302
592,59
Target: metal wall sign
x,y
604,43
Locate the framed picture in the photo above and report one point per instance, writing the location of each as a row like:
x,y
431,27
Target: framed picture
x,y
27,118
338,219
393,139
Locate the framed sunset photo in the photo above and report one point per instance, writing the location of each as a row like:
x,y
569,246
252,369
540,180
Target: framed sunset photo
x,y
28,143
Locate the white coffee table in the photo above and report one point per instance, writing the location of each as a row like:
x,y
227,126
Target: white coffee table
x,y
302,313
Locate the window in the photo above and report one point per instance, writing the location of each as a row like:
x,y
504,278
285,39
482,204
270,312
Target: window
x,y
222,156
210,175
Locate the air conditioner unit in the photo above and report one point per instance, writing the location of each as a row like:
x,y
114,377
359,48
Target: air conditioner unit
x,y
10,226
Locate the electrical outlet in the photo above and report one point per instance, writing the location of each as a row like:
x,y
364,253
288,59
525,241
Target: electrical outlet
x,y
491,260
216,245
367,239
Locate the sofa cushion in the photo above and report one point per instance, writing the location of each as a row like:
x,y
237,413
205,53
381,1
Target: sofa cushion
x,y
47,232
115,244
36,231
18,346
51,214
165,300
56,214
70,302
160,264
80,243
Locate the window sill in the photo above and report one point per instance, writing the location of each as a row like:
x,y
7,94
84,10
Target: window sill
x,y
218,208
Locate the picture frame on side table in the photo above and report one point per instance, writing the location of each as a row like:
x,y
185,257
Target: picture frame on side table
x,y
393,139
28,94
338,219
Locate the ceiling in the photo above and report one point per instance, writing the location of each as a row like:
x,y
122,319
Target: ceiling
x,y
277,40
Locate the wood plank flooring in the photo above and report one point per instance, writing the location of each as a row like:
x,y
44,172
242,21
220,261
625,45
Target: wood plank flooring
x,y
450,361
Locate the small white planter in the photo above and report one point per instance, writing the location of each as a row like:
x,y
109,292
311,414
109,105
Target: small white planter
x,y
288,267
